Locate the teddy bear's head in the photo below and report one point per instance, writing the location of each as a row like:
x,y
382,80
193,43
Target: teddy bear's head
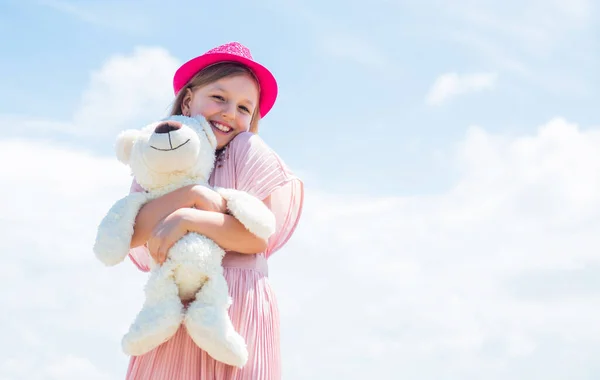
x,y
173,151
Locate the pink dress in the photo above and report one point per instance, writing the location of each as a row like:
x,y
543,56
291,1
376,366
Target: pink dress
x,y
249,165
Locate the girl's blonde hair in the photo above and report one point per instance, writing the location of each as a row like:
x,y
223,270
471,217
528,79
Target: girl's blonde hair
x,y
212,74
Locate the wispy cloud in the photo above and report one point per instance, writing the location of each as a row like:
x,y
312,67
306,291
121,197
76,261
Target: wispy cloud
x,y
536,27
550,44
355,49
125,16
450,85
333,39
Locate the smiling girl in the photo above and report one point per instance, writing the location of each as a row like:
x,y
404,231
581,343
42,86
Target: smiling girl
x,y
232,91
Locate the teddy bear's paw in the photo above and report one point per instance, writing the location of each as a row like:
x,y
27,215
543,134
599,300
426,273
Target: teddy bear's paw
x,y
110,251
250,211
152,327
211,329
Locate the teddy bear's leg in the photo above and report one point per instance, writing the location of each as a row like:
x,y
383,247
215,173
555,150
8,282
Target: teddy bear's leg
x,y
208,324
160,316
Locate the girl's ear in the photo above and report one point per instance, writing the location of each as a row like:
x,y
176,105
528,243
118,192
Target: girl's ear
x,y
186,102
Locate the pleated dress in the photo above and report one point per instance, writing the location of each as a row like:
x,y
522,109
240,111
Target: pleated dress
x,y
247,164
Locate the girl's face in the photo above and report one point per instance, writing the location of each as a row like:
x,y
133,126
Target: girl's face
x,y
228,104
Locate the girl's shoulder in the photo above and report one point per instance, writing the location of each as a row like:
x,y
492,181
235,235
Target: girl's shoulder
x,y
248,141
262,173
247,148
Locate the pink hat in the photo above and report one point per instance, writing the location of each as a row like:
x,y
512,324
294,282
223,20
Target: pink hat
x,y
231,52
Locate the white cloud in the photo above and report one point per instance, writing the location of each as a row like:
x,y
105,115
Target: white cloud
x,y
72,367
61,301
468,284
464,284
66,367
450,85
128,91
53,198
495,278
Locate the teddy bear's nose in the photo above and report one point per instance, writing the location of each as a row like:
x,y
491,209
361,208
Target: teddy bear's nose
x,y
167,127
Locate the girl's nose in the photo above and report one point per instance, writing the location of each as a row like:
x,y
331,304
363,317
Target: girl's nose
x,y
229,112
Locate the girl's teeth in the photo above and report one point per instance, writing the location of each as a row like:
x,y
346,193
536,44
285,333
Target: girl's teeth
x,y
221,127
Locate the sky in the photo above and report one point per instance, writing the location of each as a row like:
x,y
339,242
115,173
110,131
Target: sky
x,y
449,151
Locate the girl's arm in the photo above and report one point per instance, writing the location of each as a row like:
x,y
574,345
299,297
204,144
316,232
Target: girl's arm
x,y
225,230
158,209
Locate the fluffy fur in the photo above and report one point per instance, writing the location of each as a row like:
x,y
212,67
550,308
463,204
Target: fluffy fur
x,y
164,156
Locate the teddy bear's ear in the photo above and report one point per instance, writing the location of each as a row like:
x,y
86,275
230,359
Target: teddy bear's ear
x,y
209,133
124,144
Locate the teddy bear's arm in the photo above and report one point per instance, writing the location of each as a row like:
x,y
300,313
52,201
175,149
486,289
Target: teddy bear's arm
x,y
114,234
250,211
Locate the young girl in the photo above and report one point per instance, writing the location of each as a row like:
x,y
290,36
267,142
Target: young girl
x,y
232,91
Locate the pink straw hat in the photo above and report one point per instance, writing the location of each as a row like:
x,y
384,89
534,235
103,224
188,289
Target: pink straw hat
x,y
231,52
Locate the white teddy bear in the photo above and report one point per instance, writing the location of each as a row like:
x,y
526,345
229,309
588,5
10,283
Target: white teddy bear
x,y
164,156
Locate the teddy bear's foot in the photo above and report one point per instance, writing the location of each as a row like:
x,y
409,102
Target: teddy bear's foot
x,y
153,326
211,329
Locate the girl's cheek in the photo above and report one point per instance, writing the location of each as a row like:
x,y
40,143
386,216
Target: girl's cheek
x,y
247,119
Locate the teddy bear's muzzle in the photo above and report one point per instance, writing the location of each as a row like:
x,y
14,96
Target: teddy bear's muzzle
x,y
169,136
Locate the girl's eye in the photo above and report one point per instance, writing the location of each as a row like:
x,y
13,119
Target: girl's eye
x,y
218,97
245,109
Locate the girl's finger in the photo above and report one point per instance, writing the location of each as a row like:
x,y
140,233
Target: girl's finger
x,y
161,253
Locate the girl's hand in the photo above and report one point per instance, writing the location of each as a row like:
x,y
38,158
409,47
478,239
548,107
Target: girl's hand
x,y
167,232
208,200
153,212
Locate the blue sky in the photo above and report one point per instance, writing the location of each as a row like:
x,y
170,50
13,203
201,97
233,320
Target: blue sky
x,y
449,150
345,70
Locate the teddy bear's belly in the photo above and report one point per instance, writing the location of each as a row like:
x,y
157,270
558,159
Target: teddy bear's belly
x,y
196,259
189,281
